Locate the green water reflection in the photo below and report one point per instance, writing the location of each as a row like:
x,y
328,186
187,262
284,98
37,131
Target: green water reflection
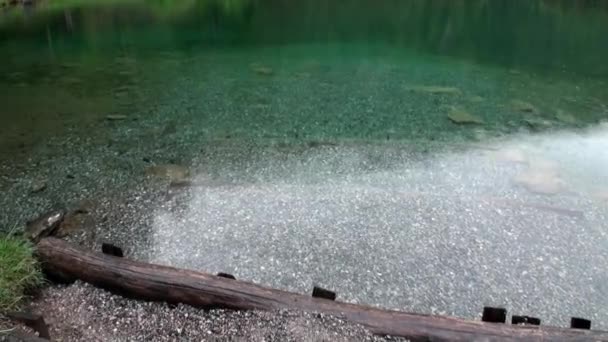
x,y
283,69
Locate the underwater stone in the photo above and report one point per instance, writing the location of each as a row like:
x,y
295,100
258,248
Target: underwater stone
x,y
436,90
522,106
262,70
38,185
512,155
116,117
565,117
172,172
461,116
539,181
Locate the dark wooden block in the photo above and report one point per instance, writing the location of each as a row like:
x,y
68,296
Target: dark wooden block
x,y
110,249
319,292
494,315
226,275
580,323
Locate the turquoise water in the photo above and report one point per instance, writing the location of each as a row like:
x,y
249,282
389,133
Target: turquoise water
x,y
342,70
433,156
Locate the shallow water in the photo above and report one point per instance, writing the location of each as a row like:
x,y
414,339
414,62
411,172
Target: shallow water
x,y
325,143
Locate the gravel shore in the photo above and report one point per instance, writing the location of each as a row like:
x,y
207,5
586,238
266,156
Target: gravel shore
x,y
81,312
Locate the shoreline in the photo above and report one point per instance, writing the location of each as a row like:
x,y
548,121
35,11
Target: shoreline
x,y
81,312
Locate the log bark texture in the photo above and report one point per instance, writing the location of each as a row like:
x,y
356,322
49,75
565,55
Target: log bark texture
x,y
167,284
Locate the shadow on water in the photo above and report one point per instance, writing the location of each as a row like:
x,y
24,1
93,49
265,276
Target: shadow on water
x,y
435,156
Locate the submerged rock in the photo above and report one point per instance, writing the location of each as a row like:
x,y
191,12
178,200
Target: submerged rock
x,y
121,94
16,75
170,128
536,123
260,106
38,185
540,180
67,65
116,117
303,74
125,60
476,99
262,70
522,106
565,117
512,155
72,80
481,134
461,116
171,172
85,207
436,90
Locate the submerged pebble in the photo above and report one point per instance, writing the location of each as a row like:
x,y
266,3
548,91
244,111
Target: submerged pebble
x,y
512,155
171,172
262,70
541,180
461,116
116,117
565,117
522,106
537,123
436,90
476,99
38,185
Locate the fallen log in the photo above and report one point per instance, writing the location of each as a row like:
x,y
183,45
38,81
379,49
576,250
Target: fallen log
x,y
167,284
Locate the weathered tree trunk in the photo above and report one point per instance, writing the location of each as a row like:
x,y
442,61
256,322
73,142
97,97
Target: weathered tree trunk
x,y
160,283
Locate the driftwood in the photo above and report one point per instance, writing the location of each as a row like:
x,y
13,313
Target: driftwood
x,y
167,284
